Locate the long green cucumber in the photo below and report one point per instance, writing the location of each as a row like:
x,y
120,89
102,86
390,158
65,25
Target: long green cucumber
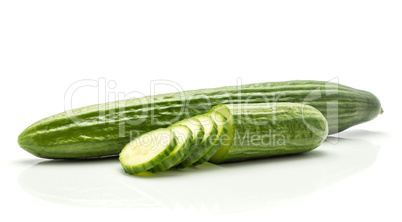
x,y
103,130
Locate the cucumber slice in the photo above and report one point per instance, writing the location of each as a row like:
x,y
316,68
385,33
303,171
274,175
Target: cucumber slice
x,y
222,129
147,150
184,141
227,139
198,134
210,130
196,128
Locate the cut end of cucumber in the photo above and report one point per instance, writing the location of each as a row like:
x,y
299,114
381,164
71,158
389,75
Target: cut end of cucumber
x,y
227,139
147,150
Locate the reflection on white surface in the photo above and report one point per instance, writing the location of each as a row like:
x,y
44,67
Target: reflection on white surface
x,y
215,188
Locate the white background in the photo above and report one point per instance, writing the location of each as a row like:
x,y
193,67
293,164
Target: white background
x,y
46,46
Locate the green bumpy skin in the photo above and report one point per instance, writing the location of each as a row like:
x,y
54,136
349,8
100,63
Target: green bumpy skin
x,y
264,130
103,130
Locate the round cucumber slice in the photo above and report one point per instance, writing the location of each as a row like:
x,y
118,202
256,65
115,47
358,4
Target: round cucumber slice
x,y
227,139
198,135
184,141
210,130
222,128
147,150
196,128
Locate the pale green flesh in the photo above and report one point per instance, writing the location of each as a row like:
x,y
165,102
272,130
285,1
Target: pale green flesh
x,y
222,126
184,140
147,150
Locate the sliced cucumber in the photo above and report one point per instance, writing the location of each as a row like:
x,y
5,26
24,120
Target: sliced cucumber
x,y
227,139
147,150
184,141
210,132
222,129
196,128
198,134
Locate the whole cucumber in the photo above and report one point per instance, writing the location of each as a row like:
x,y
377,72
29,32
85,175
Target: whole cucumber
x,y
103,130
